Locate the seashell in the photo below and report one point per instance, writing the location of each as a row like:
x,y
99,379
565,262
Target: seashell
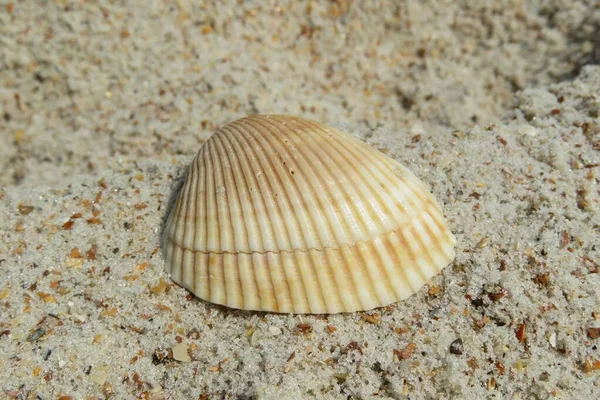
x,y
283,214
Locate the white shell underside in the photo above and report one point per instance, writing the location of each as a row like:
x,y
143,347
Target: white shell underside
x,y
284,214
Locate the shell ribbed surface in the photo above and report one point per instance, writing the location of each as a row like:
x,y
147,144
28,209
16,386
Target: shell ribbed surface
x,y
284,214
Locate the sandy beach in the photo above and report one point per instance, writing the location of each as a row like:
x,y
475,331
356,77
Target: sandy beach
x,y
103,105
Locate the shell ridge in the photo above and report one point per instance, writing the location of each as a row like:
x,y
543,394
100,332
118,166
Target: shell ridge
x,y
444,233
396,242
314,203
200,165
337,262
360,210
287,212
353,147
247,164
285,279
280,198
271,284
426,228
235,197
347,256
320,227
320,176
254,276
408,192
324,275
437,219
420,231
380,251
295,270
363,251
169,236
355,218
309,289
438,239
226,140
415,261
336,278
224,221
216,273
357,147
190,196
411,260
416,189
212,213
418,234
361,150
274,205
205,229
384,163
193,219
239,228
410,180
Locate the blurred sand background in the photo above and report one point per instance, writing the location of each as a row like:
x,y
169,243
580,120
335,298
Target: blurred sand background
x,y
495,104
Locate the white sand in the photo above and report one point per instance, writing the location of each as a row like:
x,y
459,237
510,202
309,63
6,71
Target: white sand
x,y
101,108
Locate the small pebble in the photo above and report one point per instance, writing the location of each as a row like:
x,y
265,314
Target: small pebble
x,y
593,332
180,352
552,340
99,375
274,330
456,347
254,337
527,130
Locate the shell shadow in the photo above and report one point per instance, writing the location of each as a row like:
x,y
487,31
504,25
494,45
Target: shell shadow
x,y
176,187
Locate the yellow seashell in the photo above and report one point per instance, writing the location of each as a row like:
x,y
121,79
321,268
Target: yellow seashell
x,y
284,214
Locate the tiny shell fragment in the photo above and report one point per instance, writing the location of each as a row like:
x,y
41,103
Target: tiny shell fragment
x,y
274,330
180,352
284,214
99,375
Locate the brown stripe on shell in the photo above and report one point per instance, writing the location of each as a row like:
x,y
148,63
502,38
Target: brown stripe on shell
x,y
365,174
412,260
326,279
382,247
312,199
341,280
298,292
279,197
232,190
361,150
321,154
322,175
266,228
400,261
310,280
373,273
258,205
319,199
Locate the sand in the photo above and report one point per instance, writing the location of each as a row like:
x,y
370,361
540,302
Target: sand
x,y
495,106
